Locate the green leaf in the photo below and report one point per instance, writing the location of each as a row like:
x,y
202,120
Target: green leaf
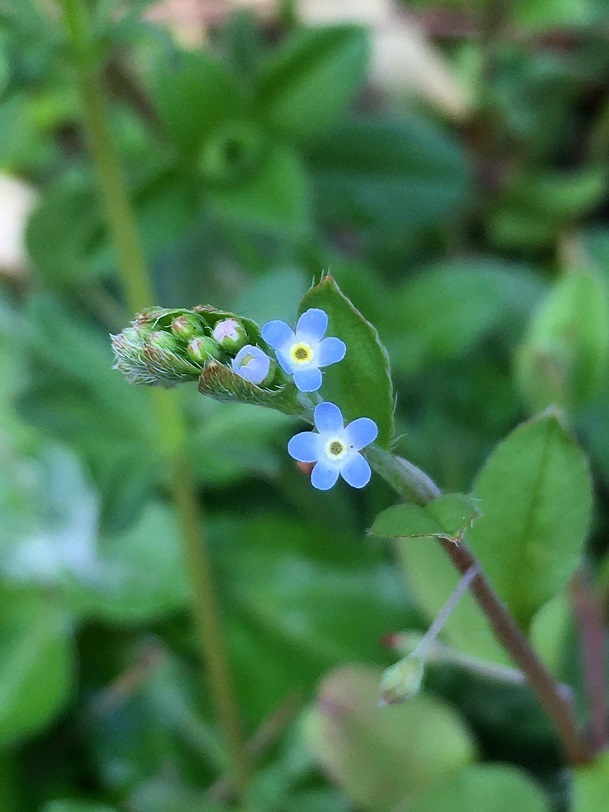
x,y
273,199
36,665
564,356
221,383
443,311
448,516
591,785
76,806
535,499
194,97
496,787
119,588
400,173
61,229
361,383
380,756
311,79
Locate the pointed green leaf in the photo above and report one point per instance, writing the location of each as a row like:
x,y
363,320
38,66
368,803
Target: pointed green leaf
x,y
361,383
566,352
535,501
312,78
448,516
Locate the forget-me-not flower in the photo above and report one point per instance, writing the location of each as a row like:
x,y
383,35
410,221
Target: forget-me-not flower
x,y
252,364
303,352
335,447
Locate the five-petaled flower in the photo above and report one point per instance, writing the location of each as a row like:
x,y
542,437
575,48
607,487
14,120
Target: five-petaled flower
x,y
252,364
303,352
335,447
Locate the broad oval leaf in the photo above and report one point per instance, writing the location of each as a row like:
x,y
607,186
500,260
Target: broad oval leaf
x,y
496,787
448,516
535,499
312,78
379,756
361,383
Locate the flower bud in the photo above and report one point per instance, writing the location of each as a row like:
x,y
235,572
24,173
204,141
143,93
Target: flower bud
x,y
402,681
230,335
187,326
202,349
254,365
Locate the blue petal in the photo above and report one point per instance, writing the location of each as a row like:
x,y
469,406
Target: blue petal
x,y
304,447
330,351
278,335
312,325
307,379
328,418
285,362
356,471
324,476
361,432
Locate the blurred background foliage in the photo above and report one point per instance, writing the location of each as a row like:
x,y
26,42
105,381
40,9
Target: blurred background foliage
x,y
448,162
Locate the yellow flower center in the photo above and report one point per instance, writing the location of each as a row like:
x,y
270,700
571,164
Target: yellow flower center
x,y
301,353
336,448
247,359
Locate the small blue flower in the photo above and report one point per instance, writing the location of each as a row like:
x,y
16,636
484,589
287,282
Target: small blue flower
x,y
335,448
252,364
303,352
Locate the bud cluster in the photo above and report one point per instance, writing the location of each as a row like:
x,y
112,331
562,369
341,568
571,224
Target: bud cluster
x,y
164,347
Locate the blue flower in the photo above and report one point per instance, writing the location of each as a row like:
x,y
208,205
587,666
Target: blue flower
x,y
252,364
335,448
303,352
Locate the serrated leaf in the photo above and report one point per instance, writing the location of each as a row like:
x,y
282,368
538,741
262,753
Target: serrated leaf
x,y
221,383
535,498
565,353
448,516
361,383
312,78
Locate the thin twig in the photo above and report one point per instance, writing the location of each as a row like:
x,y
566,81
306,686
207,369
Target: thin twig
x,y
589,619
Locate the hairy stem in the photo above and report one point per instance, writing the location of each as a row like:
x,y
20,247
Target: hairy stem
x,y
139,294
414,485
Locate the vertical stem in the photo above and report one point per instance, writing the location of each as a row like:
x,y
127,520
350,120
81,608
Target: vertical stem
x,y
139,294
552,699
592,646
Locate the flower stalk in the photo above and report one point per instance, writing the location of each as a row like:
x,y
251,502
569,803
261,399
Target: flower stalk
x,y
411,483
139,294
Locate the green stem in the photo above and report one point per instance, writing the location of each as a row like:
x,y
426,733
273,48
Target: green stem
x,y
414,485
172,436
